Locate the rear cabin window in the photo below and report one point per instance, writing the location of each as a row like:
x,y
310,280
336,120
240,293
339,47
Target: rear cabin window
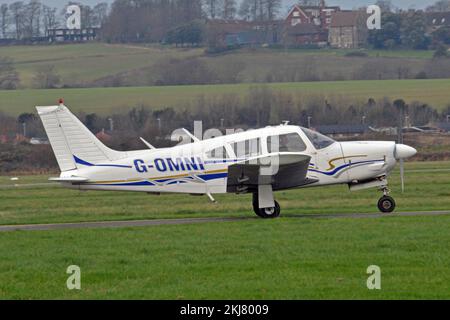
x,y
290,142
247,148
218,153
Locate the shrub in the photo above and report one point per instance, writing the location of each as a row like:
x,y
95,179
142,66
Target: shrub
x,y
361,54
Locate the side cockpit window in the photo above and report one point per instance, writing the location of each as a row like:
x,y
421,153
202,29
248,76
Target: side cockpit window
x,y
290,142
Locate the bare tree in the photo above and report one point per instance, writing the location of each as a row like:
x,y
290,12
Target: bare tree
x,y
385,5
4,16
228,9
9,78
261,13
100,12
260,10
244,10
309,2
250,9
49,18
32,18
17,13
150,20
440,6
212,8
272,8
87,16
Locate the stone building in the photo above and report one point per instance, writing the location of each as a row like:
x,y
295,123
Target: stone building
x,y
348,29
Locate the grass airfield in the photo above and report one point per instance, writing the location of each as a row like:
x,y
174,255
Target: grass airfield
x,y
286,258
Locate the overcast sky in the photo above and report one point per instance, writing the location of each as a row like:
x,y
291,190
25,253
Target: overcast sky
x,y
345,4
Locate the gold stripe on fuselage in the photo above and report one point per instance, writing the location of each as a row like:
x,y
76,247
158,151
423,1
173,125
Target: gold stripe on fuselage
x,y
155,178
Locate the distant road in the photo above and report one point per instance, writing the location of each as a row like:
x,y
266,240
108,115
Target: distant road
x,y
144,223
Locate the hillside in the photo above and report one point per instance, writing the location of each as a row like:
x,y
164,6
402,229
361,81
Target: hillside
x,y
82,63
99,64
107,100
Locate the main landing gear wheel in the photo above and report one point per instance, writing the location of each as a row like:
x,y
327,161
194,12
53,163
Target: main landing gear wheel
x,y
386,204
266,213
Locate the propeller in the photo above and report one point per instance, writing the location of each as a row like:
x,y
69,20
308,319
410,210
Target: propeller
x,y
402,174
401,153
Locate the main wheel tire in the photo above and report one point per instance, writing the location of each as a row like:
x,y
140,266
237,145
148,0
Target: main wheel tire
x,y
267,213
386,204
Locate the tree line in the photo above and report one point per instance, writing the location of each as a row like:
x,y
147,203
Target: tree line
x,y
183,21
22,20
178,21
439,6
407,30
259,107
131,21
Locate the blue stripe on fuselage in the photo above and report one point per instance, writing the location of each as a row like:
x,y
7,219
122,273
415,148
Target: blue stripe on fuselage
x,y
332,173
88,164
213,176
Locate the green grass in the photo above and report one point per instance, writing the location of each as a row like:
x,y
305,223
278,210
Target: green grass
x,y
286,258
81,64
255,259
77,63
38,204
107,100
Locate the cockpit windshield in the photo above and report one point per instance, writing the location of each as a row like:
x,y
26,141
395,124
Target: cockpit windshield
x,y
317,139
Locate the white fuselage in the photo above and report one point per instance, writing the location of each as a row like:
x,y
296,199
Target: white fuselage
x,y
197,168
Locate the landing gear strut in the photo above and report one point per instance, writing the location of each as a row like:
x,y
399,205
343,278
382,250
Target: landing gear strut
x,y
386,203
265,213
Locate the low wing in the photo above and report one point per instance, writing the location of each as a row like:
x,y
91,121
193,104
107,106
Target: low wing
x,y
281,171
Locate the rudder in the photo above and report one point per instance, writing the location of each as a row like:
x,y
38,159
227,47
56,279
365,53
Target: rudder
x,y
72,143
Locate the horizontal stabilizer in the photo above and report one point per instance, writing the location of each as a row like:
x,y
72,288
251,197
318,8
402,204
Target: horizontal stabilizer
x,y
147,143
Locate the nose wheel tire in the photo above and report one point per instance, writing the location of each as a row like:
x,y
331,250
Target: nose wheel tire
x,y
267,213
386,204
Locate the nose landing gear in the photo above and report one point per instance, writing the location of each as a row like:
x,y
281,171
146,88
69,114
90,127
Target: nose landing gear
x,y
386,203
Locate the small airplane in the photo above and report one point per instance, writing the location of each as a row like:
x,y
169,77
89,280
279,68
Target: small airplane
x,y
259,161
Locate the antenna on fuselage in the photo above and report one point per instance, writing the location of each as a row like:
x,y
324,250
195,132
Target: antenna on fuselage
x,y
147,143
191,135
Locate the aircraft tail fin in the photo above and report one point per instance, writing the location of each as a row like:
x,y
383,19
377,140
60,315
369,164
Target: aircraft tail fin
x,y
73,144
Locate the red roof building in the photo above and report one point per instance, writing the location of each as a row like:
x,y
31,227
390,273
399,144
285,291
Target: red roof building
x,y
305,25
319,16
